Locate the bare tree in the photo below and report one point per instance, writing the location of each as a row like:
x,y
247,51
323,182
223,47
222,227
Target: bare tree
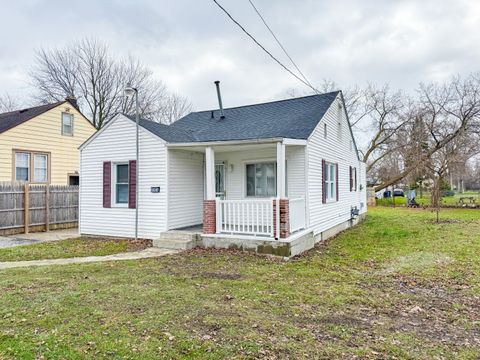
x,y
8,103
446,112
87,71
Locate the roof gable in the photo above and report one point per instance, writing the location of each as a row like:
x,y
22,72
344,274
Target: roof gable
x,y
12,119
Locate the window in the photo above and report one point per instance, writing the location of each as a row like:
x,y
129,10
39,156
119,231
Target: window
x,y
121,183
330,181
40,168
22,166
325,131
31,166
261,179
67,124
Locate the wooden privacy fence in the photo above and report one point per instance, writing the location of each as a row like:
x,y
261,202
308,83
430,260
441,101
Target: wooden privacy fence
x,y
25,208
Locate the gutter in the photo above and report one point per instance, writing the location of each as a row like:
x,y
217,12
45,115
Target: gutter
x,y
286,141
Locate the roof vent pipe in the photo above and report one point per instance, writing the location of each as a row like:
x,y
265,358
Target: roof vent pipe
x,y
222,115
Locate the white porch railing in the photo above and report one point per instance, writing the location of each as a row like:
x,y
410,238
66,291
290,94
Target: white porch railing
x,y
252,217
297,214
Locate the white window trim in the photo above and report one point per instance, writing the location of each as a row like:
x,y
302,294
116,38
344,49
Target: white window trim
x,y
329,182
254,162
72,125
114,185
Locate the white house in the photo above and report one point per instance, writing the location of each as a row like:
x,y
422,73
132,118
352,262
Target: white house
x,y
231,170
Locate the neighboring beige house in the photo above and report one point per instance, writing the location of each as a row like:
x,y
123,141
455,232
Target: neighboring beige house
x,y
40,144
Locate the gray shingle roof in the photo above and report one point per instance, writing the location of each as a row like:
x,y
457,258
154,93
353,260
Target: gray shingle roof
x,y
11,119
292,118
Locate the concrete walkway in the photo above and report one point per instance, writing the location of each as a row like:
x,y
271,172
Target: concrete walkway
x,y
38,237
142,254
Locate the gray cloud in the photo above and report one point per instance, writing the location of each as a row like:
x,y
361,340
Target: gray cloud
x,y
189,44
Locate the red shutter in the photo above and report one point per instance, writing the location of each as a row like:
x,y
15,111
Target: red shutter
x,y
351,178
355,179
336,181
107,184
132,184
324,192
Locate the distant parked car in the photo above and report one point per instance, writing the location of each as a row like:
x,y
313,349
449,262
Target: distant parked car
x,y
398,192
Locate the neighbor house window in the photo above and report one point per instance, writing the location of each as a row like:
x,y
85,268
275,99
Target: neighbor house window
x,y
121,183
40,168
22,166
330,182
325,131
31,166
261,179
67,124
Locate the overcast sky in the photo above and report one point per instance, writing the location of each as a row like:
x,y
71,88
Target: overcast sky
x,y
189,44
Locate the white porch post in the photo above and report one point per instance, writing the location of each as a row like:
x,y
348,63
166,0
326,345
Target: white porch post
x,y
281,204
209,204
210,173
281,192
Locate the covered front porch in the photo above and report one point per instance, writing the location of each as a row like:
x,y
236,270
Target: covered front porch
x,y
251,189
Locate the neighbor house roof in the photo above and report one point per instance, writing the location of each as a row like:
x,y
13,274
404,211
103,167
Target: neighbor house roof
x,y
292,118
11,119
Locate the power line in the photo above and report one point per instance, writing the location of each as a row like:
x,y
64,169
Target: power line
x,y
281,46
263,48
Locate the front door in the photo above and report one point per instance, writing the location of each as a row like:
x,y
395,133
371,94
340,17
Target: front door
x,y
220,180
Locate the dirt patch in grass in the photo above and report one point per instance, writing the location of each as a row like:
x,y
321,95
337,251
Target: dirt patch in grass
x,y
416,261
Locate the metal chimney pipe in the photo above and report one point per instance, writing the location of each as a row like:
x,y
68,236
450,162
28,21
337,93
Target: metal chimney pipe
x,y
219,95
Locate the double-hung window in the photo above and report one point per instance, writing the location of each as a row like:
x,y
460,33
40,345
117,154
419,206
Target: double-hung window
x,y
121,183
22,166
31,167
40,168
261,179
67,124
330,182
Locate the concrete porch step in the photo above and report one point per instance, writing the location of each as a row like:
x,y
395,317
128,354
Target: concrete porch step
x,y
180,240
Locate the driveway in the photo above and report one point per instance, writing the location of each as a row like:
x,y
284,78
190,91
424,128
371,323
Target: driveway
x,y
36,238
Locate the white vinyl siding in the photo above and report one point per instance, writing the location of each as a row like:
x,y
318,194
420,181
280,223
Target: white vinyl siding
x,y
117,145
186,175
335,150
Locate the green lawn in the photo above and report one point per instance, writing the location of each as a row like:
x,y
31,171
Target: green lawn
x,y
425,199
70,248
398,286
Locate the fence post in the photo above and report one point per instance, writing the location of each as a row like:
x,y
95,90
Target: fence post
x,y
26,207
47,208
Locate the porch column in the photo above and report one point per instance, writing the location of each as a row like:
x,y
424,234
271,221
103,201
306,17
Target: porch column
x,y
209,206
282,217
281,170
